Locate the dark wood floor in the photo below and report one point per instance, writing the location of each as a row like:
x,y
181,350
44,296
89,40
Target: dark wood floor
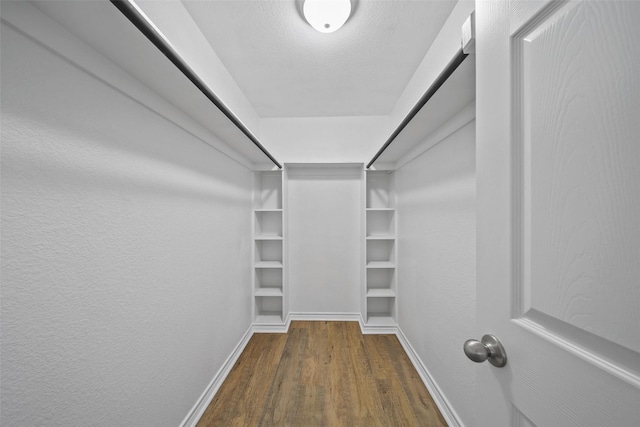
x,y
322,374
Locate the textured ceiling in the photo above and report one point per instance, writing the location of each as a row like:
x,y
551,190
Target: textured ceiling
x,y
287,69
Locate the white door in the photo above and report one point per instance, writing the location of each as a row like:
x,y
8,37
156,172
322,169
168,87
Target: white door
x,y
558,170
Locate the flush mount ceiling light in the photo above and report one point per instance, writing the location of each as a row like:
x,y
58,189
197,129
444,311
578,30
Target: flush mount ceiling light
x,y
326,16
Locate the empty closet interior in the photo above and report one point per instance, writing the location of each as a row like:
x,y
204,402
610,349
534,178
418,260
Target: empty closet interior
x,y
157,221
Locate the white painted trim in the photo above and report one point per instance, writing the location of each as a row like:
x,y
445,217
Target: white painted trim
x,y
326,317
383,166
262,328
379,330
619,371
315,317
447,411
376,330
308,170
361,323
205,399
341,165
278,328
288,321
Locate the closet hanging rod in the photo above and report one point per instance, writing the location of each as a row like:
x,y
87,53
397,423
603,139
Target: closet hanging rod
x,y
444,75
139,21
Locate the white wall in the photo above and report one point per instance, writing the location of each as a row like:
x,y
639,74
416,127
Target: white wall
x,y
324,139
176,24
125,251
443,49
324,217
436,263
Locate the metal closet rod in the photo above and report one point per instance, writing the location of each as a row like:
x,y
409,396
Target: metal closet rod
x,y
132,14
444,75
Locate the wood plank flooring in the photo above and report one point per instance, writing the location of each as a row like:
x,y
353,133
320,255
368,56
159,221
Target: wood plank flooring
x,y
322,374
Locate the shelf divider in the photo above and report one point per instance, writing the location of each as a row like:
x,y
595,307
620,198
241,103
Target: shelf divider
x,y
381,293
268,292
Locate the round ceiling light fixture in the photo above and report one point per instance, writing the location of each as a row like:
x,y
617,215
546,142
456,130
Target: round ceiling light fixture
x,y
326,16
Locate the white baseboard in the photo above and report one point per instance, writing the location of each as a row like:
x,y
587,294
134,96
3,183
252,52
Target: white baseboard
x,y
361,323
270,329
205,399
441,401
284,328
378,330
327,317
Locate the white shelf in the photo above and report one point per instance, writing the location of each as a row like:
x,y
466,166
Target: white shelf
x,y
380,249
267,191
268,248
380,320
268,292
269,317
268,222
268,264
380,264
381,278
381,222
379,190
380,293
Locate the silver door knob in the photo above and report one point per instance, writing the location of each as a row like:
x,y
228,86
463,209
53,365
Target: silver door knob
x,y
489,349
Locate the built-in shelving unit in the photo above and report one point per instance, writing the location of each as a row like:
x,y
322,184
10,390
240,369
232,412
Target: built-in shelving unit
x,y
268,250
380,250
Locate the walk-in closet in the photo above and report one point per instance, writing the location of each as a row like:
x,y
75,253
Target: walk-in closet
x,y
269,213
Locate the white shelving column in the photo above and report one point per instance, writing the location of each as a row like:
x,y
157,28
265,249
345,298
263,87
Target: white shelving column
x,y
380,253
268,252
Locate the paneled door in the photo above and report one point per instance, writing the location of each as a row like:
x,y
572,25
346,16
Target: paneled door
x,y
558,244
